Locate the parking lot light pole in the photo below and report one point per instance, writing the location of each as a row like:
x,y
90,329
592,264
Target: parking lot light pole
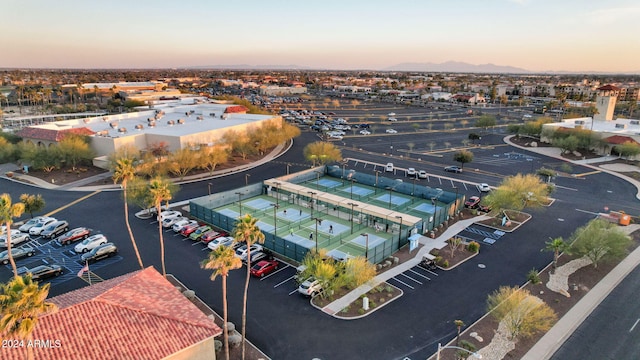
x,y
209,187
311,202
317,221
275,223
366,246
376,187
455,204
352,206
240,201
276,184
390,190
399,230
288,165
246,179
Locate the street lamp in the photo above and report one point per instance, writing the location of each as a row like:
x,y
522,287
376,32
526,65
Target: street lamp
x,y
317,222
311,202
352,206
240,201
288,165
455,204
344,163
246,179
317,180
276,184
366,246
390,190
352,181
399,230
377,173
275,223
209,187
440,347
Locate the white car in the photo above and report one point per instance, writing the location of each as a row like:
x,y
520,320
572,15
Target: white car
x,y
392,131
241,252
411,172
31,223
170,214
168,222
483,187
17,237
90,243
393,119
422,174
310,287
177,227
365,132
389,167
38,228
221,241
391,114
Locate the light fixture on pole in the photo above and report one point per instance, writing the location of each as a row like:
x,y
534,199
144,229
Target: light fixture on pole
x,y
400,229
240,201
440,347
455,204
275,222
311,202
246,178
318,221
390,190
377,173
276,184
209,187
352,206
366,246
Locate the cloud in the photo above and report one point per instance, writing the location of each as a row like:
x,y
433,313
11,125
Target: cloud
x,y
612,15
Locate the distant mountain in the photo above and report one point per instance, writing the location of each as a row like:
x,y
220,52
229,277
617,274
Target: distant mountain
x,y
249,67
456,66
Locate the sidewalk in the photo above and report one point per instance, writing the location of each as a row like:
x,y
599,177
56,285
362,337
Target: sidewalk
x,y
428,244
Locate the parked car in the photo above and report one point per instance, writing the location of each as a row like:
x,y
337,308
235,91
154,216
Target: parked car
x,y
100,252
393,119
389,167
258,256
411,172
38,228
484,208
181,223
170,214
472,202
454,169
188,229
310,287
32,222
241,252
483,187
365,132
422,174
221,241
195,236
211,235
16,253
55,229
74,235
17,237
364,126
44,271
264,267
90,243
391,131
168,222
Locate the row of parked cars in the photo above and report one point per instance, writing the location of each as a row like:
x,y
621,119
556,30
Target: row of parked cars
x,y
262,262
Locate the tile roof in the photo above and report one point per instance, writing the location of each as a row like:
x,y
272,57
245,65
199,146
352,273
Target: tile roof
x,y
608,87
139,315
235,109
51,134
619,139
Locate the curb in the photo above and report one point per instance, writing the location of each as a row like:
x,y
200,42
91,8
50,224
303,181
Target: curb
x,y
371,310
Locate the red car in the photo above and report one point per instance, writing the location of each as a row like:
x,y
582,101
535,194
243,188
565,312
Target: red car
x,y
188,229
264,267
211,235
473,202
76,234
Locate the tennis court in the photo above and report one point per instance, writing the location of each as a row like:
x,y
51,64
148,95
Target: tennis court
x,y
292,214
374,240
265,227
395,199
324,227
357,190
328,183
301,241
258,203
427,208
228,212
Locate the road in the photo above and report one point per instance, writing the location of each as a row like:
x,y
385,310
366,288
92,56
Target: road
x,y
612,331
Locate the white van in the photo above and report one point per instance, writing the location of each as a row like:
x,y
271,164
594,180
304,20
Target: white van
x,y
389,167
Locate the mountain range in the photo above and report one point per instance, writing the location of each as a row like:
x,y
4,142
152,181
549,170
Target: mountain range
x,y
456,66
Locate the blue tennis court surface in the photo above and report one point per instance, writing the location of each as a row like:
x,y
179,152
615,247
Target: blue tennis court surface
x,y
324,227
230,213
260,204
265,227
328,183
292,214
426,208
357,190
395,199
373,241
301,241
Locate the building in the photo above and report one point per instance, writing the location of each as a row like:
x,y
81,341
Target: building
x,y
139,315
606,97
272,90
178,125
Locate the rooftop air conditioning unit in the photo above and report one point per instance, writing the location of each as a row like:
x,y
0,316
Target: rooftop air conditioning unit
x,y
634,122
579,122
171,122
122,130
621,126
200,118
102,133
152,124
86,121
139,127
114,125
180,121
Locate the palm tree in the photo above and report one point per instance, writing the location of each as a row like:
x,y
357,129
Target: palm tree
x,y
247,231
222,260
160,190
22,302
123,172
459,324
556,245
8,212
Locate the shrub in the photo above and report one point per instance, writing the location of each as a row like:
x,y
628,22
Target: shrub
x,y
533,276
382,300
445,264
473,246
438,260
345,310
388,288
372,305
389,295
361,311
379,288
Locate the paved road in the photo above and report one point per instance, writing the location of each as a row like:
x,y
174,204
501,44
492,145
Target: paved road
x,y
612,331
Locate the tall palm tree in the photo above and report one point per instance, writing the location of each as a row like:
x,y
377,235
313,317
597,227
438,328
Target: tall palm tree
x,y
247,230
22,302
8,212
160,190
459,324
123,172
556,245
222,260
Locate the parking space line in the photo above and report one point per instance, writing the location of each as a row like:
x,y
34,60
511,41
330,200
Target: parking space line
x,y
275,272
293,292
417,273
195,243
403,283
465,186
410,278
440,180
452,184
427,270
283,281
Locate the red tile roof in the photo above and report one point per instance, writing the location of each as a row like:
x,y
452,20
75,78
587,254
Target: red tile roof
x,y
51,134
236,109
135,316
619,139
608,87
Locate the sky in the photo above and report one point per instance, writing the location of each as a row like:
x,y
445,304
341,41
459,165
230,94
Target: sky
x,y
536,35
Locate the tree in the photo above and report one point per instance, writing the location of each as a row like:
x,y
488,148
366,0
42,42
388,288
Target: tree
x,y
182,161
247,231
329,272
210,157
358,271
522,314
415,126
486,121
463,157
459,324
222,260
556,245
22,302
123,172
599,241
628,149
9,211
160,190
567,144
517,192
431,145
321,153
75,149
32,203
7,150
454,244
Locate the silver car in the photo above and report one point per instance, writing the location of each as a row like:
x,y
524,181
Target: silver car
x,y
90,243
